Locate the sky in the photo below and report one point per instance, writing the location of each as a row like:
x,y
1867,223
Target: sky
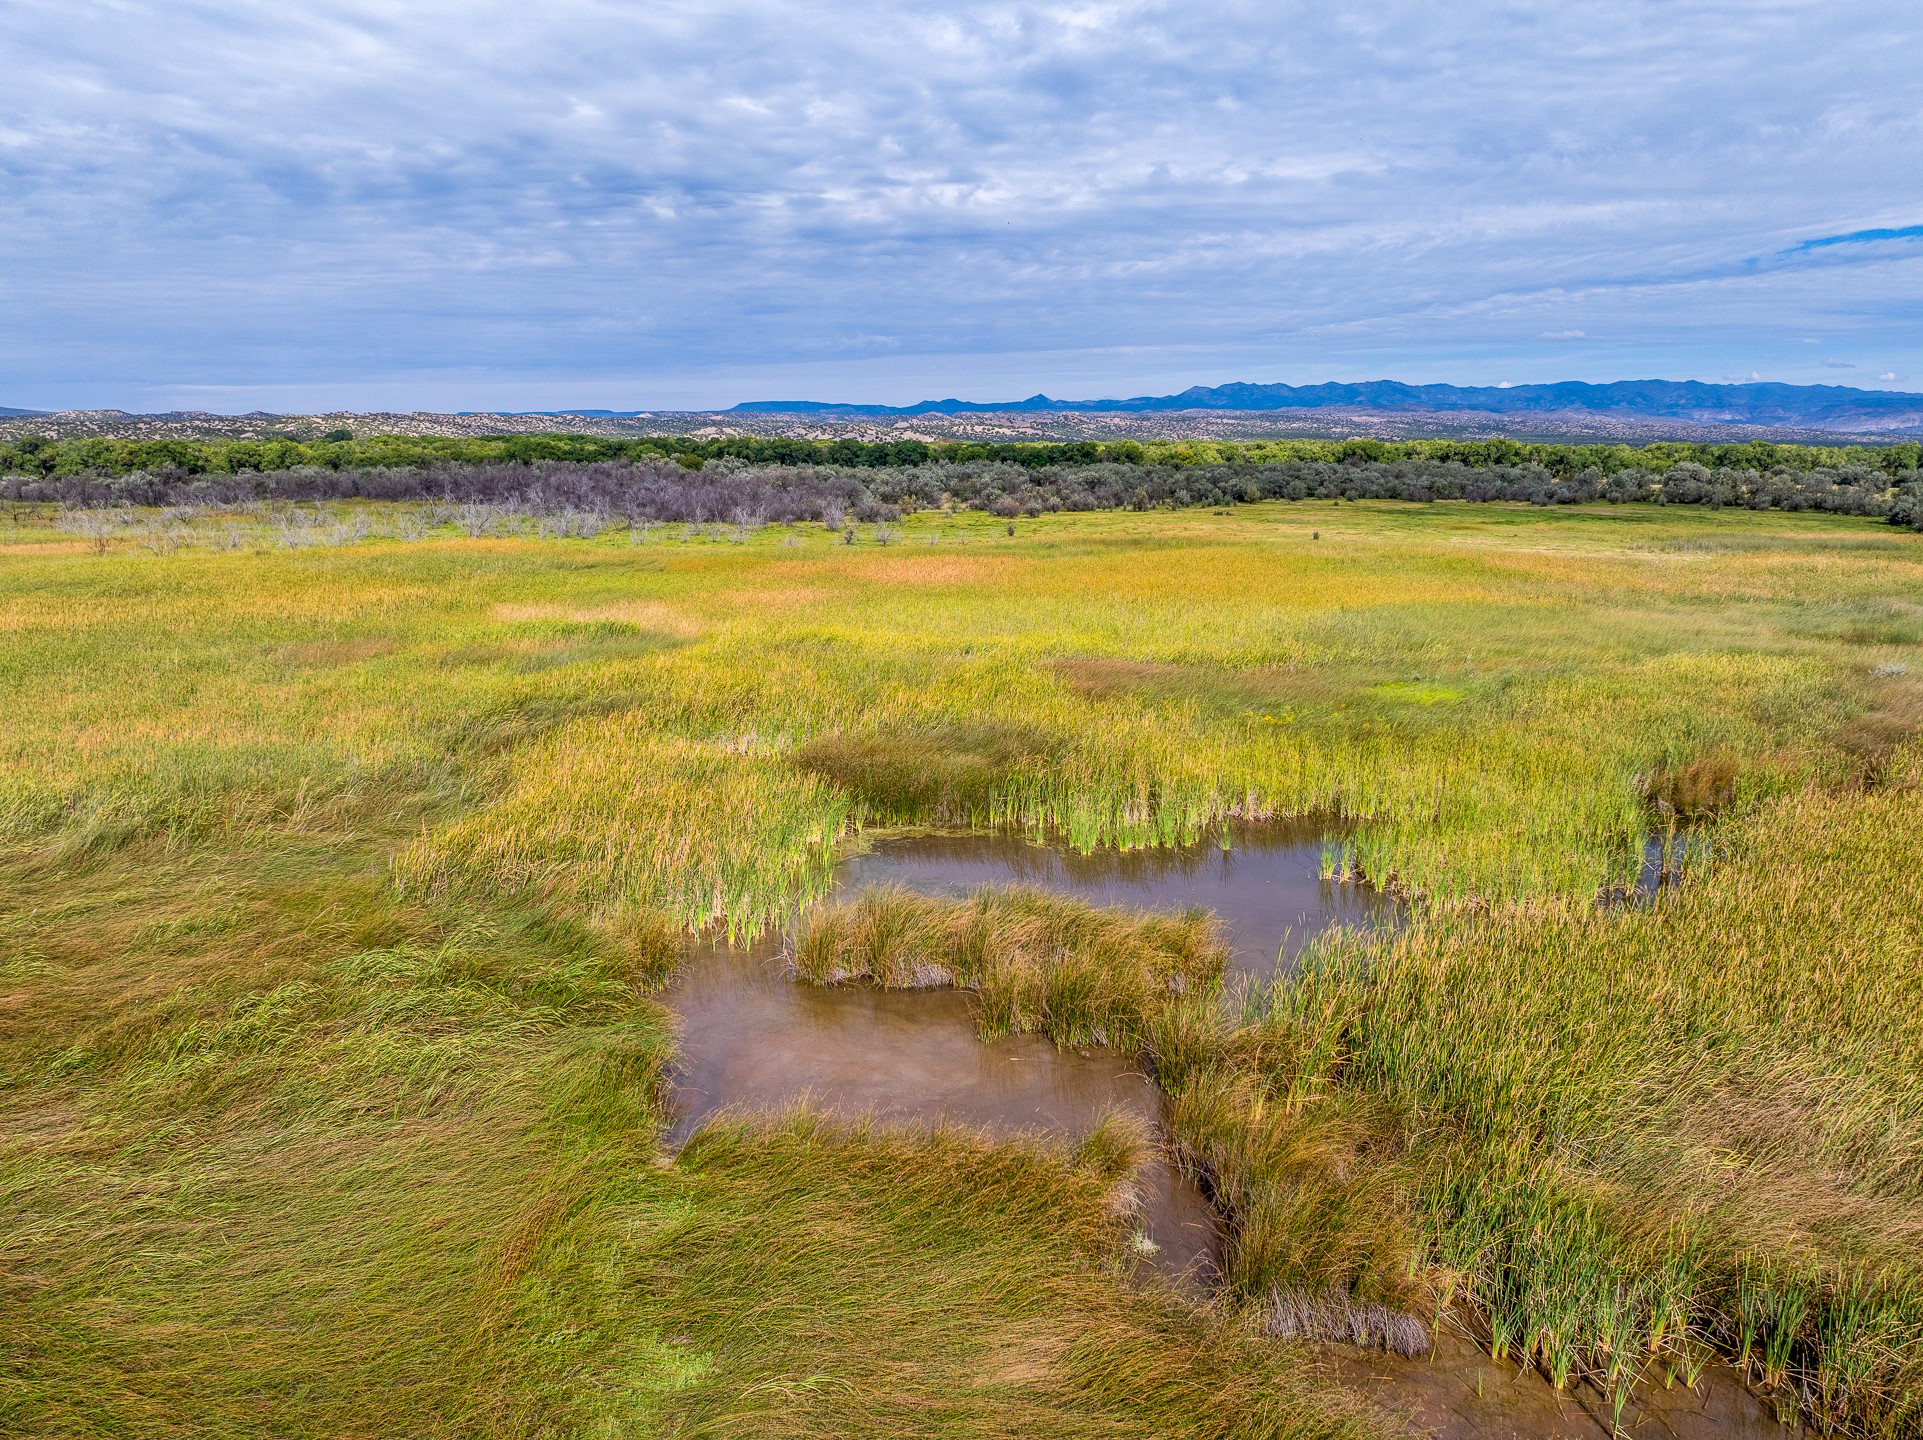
x,y
299,205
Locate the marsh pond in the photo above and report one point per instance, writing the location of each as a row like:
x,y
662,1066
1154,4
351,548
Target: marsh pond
x,y
755,1039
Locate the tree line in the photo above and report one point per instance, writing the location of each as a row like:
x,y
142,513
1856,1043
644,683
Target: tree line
x,y
728,489
45,457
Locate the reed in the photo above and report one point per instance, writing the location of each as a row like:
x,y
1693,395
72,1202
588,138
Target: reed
x,y
1150,986
1635,1132
1619,1137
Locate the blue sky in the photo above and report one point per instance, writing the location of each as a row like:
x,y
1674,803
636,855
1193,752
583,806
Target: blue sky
x,y
442,204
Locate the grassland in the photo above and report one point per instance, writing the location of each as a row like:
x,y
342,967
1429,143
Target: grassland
x,y
335,881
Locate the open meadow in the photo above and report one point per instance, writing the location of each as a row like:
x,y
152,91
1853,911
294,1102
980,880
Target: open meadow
x,y
343,885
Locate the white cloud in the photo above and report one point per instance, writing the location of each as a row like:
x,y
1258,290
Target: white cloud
x,y
331,192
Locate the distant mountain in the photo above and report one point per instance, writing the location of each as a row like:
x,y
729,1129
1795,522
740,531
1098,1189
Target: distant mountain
x,y
20,414
1810,407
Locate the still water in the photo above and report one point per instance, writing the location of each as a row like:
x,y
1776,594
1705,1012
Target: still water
x,y
753,1039
1262,880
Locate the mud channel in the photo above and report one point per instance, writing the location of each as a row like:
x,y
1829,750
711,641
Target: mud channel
x,y
1458,1392
753,1039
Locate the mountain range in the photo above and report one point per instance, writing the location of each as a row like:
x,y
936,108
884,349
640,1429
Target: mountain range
x,y
1810,407
1632,411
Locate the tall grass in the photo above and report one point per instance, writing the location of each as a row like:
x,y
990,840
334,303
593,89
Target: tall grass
x,y
282,1153
279,1154
1494,709
1304,1246
601,811
840,1281
1038,962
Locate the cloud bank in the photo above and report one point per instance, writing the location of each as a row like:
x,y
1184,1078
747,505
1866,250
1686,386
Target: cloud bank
x,y
467,203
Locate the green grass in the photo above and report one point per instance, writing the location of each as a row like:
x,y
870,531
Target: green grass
x,y
333,882
278,1147
1301,1239
1623,1138
1489,699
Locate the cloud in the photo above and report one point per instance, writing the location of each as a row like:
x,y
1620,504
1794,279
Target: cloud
x,y
590,202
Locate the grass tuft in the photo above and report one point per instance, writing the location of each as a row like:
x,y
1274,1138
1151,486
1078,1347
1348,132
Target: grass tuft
x,y
1038,961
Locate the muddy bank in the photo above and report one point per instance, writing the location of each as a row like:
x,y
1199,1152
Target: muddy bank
x,y
1460,1393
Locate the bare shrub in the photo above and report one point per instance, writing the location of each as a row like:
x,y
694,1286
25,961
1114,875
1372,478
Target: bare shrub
x,y
97,527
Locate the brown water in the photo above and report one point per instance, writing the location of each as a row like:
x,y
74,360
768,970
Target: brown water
x,y
753,1039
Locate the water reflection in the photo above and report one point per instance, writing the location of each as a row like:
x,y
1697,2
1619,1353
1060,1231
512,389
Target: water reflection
x,y
1262,879
753,1039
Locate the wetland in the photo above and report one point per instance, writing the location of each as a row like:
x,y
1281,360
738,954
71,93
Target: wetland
x,y
753,1038
556,983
